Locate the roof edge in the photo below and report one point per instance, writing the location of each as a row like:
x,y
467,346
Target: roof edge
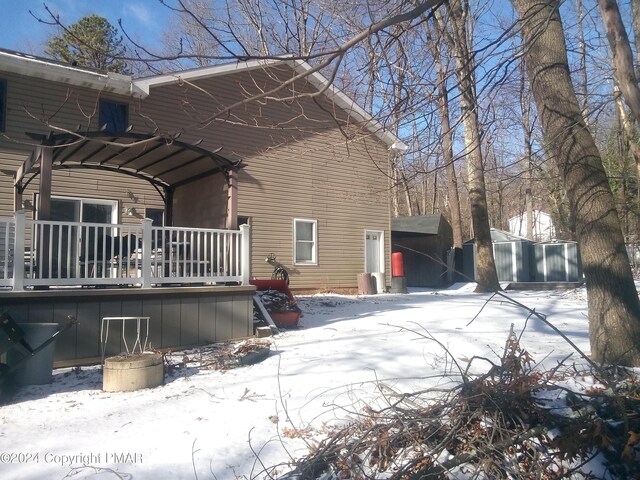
x,y
33,66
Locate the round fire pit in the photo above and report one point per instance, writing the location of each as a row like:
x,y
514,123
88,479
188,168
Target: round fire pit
x,y
126,373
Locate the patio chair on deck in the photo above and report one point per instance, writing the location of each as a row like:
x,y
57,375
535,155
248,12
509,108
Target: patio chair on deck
x,y
128,260
93,253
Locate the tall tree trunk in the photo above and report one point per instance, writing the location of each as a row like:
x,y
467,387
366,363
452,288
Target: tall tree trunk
x,y
614,308
622,55
447,143
393,166
628,134
582,52
635,24
406,190
486,276
525,105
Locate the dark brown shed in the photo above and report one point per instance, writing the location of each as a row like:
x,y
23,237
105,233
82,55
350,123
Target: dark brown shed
x,y
424,242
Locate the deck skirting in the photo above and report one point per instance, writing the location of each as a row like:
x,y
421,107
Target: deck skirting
x,y
180,316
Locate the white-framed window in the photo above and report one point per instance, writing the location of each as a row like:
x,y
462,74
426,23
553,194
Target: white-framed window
x,y
305,241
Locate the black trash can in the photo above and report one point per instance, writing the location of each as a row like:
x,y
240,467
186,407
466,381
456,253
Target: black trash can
x,y
37,369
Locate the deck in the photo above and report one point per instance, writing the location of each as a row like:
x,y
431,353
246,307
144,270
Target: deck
x,y
47,254
193,283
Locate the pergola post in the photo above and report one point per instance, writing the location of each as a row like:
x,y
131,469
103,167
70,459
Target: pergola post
x,y
17,195
44,199
232,200
44,207
168,211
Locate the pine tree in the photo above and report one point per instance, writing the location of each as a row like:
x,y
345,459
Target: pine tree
x,y
91,42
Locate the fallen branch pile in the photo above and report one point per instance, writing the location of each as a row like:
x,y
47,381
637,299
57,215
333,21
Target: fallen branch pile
x,y
219,356
510,423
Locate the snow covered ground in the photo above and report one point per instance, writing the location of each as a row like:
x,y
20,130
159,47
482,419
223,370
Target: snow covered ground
x,y
242,422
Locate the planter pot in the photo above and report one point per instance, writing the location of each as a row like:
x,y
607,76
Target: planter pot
x,y
285,319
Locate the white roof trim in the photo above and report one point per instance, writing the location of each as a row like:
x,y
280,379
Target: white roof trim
x,y
36,67
300,66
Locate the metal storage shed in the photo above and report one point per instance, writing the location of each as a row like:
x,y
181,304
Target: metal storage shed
x,y
557,261
511,253
424,242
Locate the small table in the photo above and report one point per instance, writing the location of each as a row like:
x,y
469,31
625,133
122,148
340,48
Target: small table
x,y
104,333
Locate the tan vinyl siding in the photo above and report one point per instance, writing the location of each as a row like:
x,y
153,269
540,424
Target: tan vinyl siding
x,y
202,203
298,164
9,162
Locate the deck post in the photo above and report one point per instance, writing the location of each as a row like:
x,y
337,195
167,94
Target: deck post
x,y
147,233
245,253
18,251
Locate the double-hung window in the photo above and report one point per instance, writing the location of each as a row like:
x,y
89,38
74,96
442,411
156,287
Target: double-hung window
x,y
305,241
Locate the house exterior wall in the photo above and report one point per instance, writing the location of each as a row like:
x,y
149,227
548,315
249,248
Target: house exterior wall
x,y
33,101
297,164
302,159
543,227
202,203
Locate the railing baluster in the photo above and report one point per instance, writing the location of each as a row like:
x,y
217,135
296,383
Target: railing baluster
x,y
81,253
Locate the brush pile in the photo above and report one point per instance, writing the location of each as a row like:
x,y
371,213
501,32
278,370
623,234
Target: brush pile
x,y
219,356
509,423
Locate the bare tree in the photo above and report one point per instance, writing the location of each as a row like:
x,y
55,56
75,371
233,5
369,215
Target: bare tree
x,y
614,307
635,25
625,83
447,136
622,54
458,42
525,105
187,35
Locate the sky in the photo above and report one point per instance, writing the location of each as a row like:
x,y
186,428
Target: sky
x,y
20,31
211,424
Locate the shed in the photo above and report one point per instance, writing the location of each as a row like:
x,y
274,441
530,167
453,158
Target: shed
x,y
512,255
424,242
557,261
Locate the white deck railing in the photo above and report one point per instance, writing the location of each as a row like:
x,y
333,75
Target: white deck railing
x,y
37,253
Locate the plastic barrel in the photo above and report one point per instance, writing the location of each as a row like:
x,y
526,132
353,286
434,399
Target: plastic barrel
x,y
38,369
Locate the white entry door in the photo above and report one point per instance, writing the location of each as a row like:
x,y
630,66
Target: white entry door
x,y
374,251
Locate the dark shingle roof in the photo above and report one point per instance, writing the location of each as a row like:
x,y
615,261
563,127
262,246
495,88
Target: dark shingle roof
x,y
426,224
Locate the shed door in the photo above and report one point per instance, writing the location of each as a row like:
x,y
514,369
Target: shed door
x,y
373,251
